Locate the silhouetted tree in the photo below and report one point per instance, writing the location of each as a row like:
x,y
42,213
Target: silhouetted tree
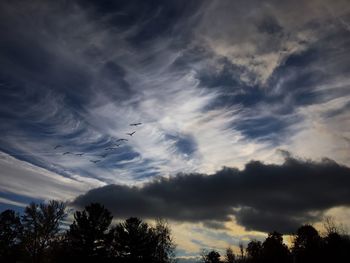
x,y
88,235
59,250
211,257
307,245
10,234
336,248
229,256
274,251
241,249
165,247
90,238
254,251
331,226
41,224
134,241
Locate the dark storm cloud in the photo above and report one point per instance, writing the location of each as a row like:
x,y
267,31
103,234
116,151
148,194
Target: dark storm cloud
x,y
261,197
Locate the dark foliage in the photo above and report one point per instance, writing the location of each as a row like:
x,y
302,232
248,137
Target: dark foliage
x,y
307,246
229,256
39,237
88,236
135,241
41,224
273,249
254,251
10,235
211,257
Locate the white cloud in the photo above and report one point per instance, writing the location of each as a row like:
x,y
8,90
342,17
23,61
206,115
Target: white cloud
x,y
11,202
25,179
259,36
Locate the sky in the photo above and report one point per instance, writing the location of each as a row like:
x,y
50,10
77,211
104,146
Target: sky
x,y
244,112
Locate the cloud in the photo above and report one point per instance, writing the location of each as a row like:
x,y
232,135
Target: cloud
x,y
24,179
261,196
261,35
207,98
162,65
81,86
11,202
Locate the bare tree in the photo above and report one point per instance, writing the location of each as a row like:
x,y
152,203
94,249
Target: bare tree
x,y
164,252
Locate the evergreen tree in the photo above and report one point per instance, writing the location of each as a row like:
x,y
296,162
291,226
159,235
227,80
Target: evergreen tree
x,y
89,234
134,241
274,251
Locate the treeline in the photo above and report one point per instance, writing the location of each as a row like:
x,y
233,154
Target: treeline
x,y
40,235
308,246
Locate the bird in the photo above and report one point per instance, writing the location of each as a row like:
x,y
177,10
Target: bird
x,y
103,155
120,140
136,124
79,154
131,133
95,161
66,153
58,146
117,144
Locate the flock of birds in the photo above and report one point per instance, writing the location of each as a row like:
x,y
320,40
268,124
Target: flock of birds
x,y
117,143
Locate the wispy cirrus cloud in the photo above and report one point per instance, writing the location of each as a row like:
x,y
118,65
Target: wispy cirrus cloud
x,y
91,91
82,86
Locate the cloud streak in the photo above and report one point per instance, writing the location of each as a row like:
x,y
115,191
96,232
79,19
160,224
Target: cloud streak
x,y
23,179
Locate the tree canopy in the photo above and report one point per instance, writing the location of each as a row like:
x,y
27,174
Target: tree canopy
x,y
41,235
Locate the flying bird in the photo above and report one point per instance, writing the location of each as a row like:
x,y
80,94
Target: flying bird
x,y
95,161
131,134
79,154
103,155
58,146
66,153
136,124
